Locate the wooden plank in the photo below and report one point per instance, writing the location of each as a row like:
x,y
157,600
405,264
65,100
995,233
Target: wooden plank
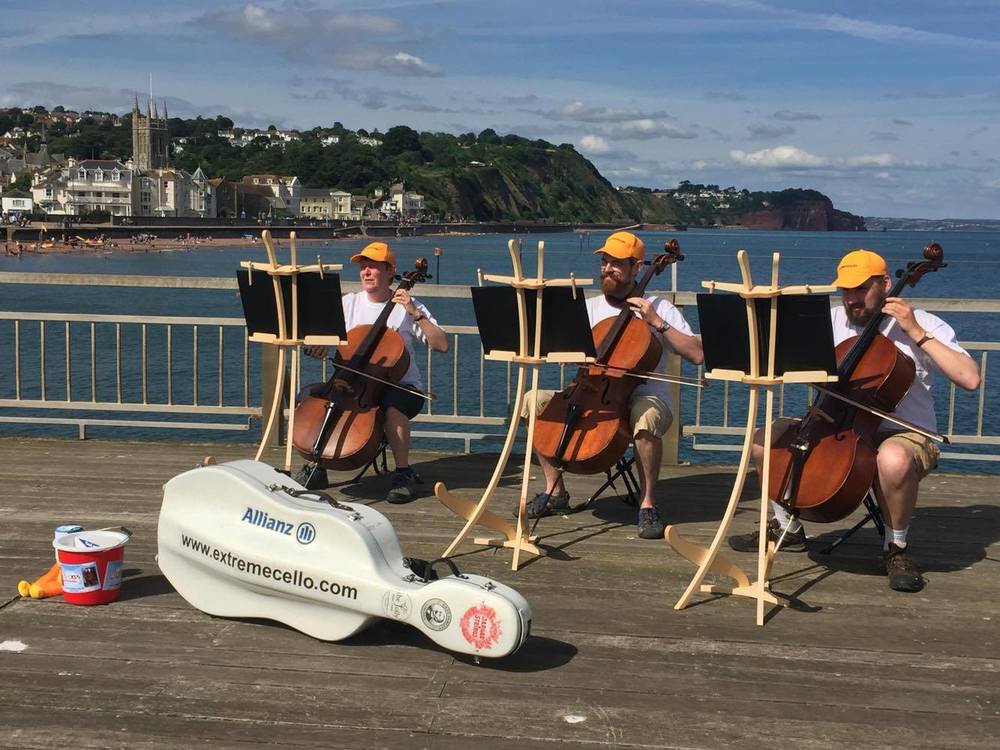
x,y
609,663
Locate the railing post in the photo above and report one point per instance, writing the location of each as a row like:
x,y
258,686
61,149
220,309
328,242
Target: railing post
x,y
268,383
671,440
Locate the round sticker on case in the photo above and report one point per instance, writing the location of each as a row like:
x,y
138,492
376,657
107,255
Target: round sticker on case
x,y
396,605
436,614
480,627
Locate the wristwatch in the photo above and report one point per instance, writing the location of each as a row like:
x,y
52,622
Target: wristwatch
x,y
926,337
418,317
663,327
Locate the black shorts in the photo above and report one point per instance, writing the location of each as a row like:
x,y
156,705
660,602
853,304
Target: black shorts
x,y
408,403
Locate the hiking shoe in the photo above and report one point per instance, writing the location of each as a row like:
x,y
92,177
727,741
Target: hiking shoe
x,y
904,575
312,477
404,485
544,504
650,524
795,541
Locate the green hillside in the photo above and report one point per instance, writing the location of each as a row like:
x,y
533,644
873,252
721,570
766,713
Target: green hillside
x,y
482,177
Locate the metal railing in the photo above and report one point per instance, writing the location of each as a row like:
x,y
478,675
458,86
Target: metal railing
x,y
192,372
963,415
189,372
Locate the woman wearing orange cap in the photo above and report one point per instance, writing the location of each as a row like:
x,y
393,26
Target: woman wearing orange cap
x,y
904,456
411,320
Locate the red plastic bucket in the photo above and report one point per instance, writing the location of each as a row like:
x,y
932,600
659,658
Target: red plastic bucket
x,y
91,565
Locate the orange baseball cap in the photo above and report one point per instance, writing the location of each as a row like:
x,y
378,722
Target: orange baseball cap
x,y
857,267
623,245
377,251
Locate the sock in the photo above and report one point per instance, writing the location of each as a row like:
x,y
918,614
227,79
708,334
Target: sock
x,y
781,515
894,536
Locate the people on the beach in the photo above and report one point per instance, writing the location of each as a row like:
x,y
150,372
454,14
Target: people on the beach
x,y
904,456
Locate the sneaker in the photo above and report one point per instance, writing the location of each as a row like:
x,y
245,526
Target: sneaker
x,y
404,483
650,524
904,575
795,541
312,477
544,504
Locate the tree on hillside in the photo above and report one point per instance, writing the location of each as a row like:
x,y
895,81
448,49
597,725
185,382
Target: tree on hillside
x,y
488,137
400,139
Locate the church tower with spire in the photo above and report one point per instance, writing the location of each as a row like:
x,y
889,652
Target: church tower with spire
x,y
150,139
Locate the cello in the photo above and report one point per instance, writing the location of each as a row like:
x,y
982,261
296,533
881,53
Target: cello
x,y
341,426
584,429
823,470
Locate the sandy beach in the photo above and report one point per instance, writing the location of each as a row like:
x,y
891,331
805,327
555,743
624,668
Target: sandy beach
x,y
145,244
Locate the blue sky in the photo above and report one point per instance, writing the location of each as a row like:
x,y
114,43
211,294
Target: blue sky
x,y
890,108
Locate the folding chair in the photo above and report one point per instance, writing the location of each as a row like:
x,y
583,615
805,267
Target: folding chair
x,y
621,470
874,515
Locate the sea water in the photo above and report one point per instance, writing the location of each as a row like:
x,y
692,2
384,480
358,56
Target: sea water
x,y
973,272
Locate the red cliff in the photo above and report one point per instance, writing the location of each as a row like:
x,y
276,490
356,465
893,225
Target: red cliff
x,y
803,215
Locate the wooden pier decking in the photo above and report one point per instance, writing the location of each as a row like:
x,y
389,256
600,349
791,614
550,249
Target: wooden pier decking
x,y
609,662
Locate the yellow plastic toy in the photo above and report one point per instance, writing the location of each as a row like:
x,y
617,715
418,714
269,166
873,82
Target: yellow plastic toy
x,y
47,584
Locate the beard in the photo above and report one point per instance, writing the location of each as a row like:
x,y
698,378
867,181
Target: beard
x,y
859,316
615,288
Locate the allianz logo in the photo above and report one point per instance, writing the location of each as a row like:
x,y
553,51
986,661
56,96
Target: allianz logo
x,y
304,533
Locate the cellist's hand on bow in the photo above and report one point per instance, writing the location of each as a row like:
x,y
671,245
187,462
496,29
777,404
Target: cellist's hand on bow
x,y
403,299
902,312
646,310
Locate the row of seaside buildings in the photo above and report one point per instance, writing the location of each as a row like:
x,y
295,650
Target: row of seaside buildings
x,y
147,185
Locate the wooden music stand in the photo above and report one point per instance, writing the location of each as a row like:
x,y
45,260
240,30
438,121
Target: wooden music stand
x,y
476,512
287,336
711,559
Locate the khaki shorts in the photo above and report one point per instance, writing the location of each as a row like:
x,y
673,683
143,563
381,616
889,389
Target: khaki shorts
x,y
648,413
923,451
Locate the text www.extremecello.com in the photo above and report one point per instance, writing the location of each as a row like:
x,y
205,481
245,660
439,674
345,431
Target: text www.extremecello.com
x,y
293,577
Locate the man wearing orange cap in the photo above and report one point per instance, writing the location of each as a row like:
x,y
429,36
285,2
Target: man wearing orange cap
x,y
411,320
621,262
904,456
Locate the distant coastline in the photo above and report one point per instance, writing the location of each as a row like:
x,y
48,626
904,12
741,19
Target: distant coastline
x,y
886,224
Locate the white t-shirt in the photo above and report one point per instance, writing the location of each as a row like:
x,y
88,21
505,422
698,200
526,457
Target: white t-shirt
x,y
917,406
599,309
359,311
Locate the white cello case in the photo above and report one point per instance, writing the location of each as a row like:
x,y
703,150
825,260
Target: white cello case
x,y
234,543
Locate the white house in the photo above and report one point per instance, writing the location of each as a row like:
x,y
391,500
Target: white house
x,y
16,202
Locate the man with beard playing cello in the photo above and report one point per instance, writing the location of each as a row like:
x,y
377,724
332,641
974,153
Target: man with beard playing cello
x,y
650,417
904,456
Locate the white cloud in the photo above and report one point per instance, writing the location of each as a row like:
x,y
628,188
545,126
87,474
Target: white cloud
x,y
305,33
646,128
838,24
994,184
779,156
792,157
405,64
361,23
259,20
594,144
580,112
